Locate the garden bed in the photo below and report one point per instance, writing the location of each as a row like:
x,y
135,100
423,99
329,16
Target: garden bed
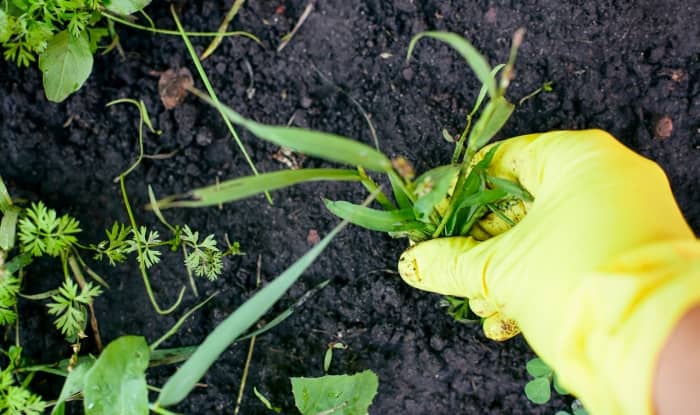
x,y
619,68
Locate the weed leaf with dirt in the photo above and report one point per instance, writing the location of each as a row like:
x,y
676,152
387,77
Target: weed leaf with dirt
x,y
335,394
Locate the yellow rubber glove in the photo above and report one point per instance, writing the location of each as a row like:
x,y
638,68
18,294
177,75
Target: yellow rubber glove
x,y
595,275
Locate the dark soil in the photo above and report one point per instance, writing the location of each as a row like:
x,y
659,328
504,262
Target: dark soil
x,y
613,66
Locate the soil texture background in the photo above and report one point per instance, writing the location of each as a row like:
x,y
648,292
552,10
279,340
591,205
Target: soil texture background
x,y
619,66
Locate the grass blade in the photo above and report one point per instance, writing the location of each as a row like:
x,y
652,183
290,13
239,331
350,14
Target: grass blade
x,y
376,220
241,188
212,94
511,187
327,146
5,199
475,59
182,382
8,228
495,115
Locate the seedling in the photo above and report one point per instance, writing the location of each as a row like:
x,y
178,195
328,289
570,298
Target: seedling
x,y
65,34
539,390
448,200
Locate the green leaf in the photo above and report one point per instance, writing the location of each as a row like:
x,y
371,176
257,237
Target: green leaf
x,y
511,187
5,199
538,390
558,387
182,382
75,382
495,115
475,60
402,199
376,220
66,64
266,401
431,189
327,146
538,368
241,188
8,228
126,7
335,394
116,383
562,413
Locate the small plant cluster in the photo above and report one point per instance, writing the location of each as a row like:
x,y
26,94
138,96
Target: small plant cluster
x,y
42,232
539,389
63,34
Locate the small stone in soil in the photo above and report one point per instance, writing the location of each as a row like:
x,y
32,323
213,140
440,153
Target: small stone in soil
x,y
663,127
312,238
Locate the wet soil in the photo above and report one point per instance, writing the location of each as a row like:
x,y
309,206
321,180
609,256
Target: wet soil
x,y
626,67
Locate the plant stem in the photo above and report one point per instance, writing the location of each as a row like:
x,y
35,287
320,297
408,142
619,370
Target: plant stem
x,y
177,33
237,4
78,275
142,267
214,97
180,322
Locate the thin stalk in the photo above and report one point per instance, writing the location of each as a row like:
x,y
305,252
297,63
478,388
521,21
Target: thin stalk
x,y
141,121
142,267
214,97
177,33
180,322
78,275
237,4
251,347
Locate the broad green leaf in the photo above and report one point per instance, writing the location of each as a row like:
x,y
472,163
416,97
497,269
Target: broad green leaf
x,y
562,413
538,390
475,60
335,394
75,382
5,199
431,189
376,220
126,7
65,64
116,383
511,187
495,115
538,368
558,387
237,189
8,228
181,383
327,146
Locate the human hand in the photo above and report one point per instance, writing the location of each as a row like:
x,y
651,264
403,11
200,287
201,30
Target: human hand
x,y
602,253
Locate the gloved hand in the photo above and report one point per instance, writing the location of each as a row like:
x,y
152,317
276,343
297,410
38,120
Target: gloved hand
x,y
595,275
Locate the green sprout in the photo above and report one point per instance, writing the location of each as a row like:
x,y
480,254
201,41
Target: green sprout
x,y
539,390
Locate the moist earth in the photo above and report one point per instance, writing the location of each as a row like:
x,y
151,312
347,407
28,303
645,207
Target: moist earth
x,y
626,67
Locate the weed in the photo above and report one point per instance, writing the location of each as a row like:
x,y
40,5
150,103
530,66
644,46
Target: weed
x,y
539,390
